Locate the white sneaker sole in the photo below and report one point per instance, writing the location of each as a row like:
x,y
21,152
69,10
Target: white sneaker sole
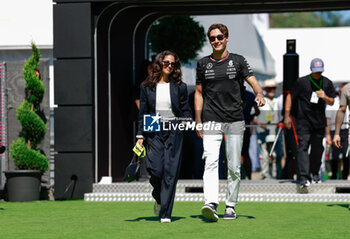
x,y
229,218
165,220
209,214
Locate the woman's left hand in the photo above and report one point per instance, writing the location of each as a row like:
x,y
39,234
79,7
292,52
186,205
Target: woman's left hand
x,y
140,142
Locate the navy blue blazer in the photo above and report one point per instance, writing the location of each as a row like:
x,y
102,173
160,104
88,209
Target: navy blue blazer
x,y
179,102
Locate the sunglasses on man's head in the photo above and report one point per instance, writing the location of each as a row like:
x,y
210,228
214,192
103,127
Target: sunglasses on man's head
x,y
219,37
167,63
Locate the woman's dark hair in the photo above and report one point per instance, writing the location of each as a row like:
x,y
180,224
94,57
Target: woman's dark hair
x,y
157,67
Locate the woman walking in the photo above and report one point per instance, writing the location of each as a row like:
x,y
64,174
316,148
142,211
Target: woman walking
x,y
164,93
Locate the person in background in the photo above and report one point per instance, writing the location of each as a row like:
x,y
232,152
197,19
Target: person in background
x,y
343,105
269,114
248,118
339,153
142,75
163,93
309,97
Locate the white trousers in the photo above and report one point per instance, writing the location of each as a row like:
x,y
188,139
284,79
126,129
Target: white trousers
x,y
211,143
268,169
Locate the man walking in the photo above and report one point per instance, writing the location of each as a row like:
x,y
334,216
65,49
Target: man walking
x,y
218,98
310,95
344,102
339,153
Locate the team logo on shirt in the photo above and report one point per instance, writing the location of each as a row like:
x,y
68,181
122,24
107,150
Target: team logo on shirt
x,y
209,65
231,70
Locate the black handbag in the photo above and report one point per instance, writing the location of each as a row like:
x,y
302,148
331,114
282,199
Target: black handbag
x,y
132,172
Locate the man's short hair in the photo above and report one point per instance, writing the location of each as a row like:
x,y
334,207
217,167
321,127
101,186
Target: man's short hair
x,y
219,26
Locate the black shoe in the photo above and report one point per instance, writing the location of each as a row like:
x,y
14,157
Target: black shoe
x,y
304,183
210,213
316,179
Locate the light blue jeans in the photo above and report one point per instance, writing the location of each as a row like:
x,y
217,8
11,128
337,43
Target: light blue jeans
x,y
233,133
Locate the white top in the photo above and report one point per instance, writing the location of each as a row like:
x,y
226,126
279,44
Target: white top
x,y
270,113
163,101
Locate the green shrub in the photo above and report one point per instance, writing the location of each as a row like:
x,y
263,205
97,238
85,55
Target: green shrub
x,y
27,158
23,151
34,128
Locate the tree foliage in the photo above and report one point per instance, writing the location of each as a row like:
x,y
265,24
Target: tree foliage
x,y
23,151
307,19
178,33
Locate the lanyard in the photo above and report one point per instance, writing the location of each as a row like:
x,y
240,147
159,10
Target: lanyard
x,y
270,103
318,86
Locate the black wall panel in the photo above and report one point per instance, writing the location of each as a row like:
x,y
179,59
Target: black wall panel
x,y
73,82
74,129
73,31
74,173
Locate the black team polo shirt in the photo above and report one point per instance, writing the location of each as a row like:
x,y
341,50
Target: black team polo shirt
x,y
220,80
309,114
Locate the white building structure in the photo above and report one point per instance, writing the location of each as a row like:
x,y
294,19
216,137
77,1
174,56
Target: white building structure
x,y
331,44
21,22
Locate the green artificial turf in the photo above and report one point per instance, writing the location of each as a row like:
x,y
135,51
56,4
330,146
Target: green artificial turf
x,y
79,219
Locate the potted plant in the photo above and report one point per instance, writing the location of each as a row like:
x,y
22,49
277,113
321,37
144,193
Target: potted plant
x,y
24,183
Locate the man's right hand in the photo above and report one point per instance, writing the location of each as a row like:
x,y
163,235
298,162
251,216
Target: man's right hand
x,y
287,122
336,140
199,132
198,107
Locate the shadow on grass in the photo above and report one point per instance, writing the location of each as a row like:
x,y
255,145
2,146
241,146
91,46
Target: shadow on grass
x,y
2,208
173,219
339,205
220,217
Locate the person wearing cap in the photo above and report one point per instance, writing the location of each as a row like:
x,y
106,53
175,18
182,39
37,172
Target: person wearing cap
x,y
267,119
309,97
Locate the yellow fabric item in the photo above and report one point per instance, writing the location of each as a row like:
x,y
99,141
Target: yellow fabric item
x,y
140,151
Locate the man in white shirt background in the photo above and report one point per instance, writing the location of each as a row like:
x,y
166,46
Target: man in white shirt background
x,y
270,115
339,154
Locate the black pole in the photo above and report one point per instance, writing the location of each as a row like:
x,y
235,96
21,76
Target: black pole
x,y
290,66
290,75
